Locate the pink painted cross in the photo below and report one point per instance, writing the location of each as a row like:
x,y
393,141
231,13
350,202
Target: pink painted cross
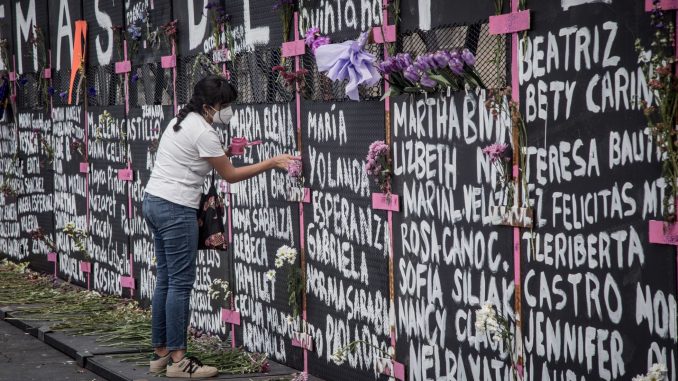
x,y
508,23
665,5
378,32
298,46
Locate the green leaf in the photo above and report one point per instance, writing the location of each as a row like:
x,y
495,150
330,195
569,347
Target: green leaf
x,y
440,79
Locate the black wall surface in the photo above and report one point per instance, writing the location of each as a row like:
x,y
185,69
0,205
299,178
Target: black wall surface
x,y
598,299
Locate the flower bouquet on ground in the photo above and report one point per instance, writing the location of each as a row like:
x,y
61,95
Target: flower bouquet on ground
x,y
431,71
498,329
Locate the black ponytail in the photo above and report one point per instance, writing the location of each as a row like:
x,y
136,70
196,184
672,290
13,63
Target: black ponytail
x,y
212,90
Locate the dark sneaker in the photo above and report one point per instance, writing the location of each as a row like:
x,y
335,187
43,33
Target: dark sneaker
x,y
190,367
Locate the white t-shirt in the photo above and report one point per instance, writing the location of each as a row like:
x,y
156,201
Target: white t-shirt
x,y
180,166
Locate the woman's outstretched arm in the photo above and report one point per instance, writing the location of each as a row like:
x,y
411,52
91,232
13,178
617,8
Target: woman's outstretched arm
x,y
233,174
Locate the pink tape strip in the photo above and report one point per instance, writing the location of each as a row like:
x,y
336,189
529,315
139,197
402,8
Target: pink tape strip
x,y
230,316
168,62
51,257
12,76
510,22
380,201
123,67
84,167
389,31
302,340
662,233
127,282
294,48
47,74
85,266
664,4
125,174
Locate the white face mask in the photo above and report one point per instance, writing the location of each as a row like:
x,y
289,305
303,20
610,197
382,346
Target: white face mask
x,y
223,116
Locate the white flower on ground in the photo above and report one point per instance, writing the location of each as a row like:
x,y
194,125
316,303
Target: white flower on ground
x,y
270,274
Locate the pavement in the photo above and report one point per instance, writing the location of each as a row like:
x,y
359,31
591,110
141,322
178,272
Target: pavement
x,y
25,358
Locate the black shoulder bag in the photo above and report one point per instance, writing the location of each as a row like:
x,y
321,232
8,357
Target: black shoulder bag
x,y
211,220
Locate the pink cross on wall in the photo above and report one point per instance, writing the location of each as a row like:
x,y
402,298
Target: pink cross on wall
x,y
378,32
298,46
510,22
665,5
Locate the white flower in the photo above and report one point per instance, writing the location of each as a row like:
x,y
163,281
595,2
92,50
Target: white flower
x,y
339,357
645,56
270,274
657,372
391,352
285,254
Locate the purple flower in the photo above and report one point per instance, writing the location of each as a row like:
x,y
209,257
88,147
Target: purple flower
x,y
427,82
468,57
311,34
376,155
282,3
425,62
457,66
441,59
63,95
134,32
91,91
294,169
495,151
135,78
387,67
412,74
51,91
320,41
211,5
23,80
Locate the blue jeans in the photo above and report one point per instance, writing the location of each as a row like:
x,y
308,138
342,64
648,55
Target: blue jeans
x,y
175,231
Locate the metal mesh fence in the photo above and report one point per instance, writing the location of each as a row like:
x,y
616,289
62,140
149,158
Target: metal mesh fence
x,y
32,92
150,84
490,51
189,71
253,76
110,90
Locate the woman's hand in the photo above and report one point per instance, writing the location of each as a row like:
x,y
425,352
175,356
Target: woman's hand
x,y
283,161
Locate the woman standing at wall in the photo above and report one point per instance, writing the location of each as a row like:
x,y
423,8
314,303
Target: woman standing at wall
x,y
189,149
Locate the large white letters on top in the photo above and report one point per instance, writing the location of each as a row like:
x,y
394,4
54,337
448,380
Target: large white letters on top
x,y
105,22
64,30
24,24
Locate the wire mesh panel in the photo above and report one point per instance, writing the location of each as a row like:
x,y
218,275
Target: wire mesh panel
x,y
255,79
32,92
190,69
490,51
150,84
109,86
